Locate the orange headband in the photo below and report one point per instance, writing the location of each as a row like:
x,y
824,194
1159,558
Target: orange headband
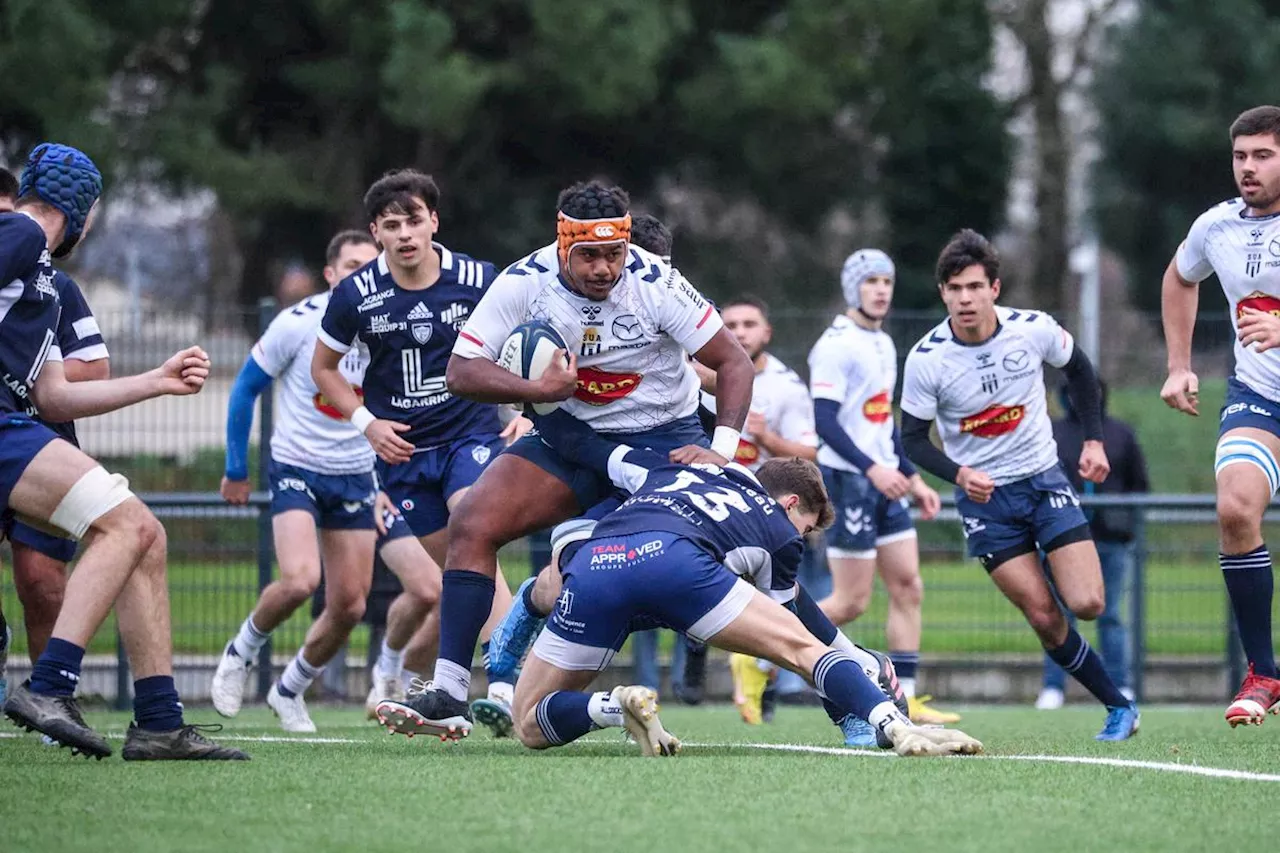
x,y
572,232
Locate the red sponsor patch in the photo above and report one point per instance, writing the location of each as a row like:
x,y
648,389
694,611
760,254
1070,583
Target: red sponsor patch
x,y
997,420
748,453
878,409
325,406
600,388
1258,301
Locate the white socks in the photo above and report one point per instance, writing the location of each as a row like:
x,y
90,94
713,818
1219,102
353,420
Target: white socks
x,y
604,712
249,640
390,661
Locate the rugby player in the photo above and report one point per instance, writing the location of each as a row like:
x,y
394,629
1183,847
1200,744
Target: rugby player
x,y
1239,240
407,306
48,481
628,318
980,375
853,371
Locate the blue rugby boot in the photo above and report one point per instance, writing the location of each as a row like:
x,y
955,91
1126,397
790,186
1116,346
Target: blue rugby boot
x,y
511,637
1122,723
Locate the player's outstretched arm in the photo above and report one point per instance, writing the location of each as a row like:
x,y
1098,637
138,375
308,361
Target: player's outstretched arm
x,y
484,381
1179,300
60,400
249,384
735,380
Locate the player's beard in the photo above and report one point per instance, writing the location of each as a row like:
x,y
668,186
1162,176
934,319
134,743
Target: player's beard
x,y
1265,195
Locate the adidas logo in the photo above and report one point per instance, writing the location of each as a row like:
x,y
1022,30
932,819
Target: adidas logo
x,y
421,312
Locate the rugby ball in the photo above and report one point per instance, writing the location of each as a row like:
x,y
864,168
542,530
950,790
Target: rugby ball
x,y
528,351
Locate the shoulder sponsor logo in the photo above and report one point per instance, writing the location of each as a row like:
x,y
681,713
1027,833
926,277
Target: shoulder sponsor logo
x,y
1258,301
626,327
879,408
422,332
481,454
992,422
600,387
455,315
326,407
1016,360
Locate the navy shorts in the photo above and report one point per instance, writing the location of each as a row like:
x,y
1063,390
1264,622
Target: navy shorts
x,y
1245,407
396,526
21,438
865,518
591,487
421,487
1040,512
335,501
60,548
615,585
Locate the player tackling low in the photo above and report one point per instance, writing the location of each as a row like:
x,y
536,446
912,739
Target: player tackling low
x,y
980,375
1239,240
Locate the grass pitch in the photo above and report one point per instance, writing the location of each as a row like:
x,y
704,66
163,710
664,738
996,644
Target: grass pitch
x,y
733,788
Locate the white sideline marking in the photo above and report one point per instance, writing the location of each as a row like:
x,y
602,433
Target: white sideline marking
x,y
1124,763
1128,763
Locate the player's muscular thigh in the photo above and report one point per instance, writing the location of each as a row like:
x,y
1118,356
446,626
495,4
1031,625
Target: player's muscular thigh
x,y
512,498
1244,492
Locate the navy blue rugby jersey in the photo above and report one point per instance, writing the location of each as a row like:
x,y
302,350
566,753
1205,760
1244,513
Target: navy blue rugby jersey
x,y
724,511
410,335
29,309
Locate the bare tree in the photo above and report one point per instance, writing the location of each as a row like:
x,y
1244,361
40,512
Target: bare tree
x,y
1057,40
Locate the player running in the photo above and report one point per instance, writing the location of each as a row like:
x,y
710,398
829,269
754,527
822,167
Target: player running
x,y
407,306
49,480
853,370
1240,241
629,318
321,474
980,374
40,558
677,553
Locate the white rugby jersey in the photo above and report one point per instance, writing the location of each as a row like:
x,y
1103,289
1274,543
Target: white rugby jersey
x,y
1245,253
988,399
778,394
309,432
632,372
858,368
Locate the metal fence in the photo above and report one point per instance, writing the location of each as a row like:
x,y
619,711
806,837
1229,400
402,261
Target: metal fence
x,y
220,556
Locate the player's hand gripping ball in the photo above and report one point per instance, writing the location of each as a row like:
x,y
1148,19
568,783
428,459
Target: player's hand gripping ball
x,y
536,352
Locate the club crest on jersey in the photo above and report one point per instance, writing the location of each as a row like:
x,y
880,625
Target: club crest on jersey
x,y
878,409
481,454
995,421
600,387
326,407
1258,301
422,332
748,453
590,341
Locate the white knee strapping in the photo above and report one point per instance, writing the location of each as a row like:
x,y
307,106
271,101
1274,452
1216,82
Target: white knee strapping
x,y
93,496
1234,450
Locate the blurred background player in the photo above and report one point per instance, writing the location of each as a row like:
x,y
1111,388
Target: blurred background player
x,y
321,475
853,371
980,375
780,424
50,481
1113,530
407,307
1228,239
628,318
